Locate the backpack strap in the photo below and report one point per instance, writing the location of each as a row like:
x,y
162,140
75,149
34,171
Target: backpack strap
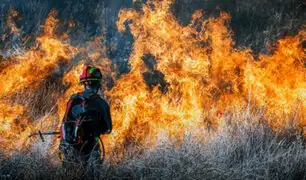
x,y
80,98
72,101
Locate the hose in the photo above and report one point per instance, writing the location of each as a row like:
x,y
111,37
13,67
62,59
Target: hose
x,y
103,149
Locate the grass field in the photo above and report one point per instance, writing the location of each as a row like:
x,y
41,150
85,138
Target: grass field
x,y
248,150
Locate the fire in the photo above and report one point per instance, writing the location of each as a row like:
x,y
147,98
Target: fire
x,y
182,78
205,76
201,69
14,122
35,64
278,81
25,74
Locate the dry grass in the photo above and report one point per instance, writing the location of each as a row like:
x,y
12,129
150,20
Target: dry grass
x,y
244,149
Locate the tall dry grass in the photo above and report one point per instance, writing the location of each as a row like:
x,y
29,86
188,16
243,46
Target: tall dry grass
x,y
244,148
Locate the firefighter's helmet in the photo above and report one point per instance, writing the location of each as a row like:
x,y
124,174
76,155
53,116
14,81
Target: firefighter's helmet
x,y
90,73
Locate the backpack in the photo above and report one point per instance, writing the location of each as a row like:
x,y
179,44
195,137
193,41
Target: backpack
x,y
82,120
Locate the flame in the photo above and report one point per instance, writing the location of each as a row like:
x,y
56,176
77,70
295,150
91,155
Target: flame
x,y
182,78
25,73
14,122
36,64
278,81
205,76
201,69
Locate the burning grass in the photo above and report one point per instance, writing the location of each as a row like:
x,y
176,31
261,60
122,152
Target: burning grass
x,y
245,150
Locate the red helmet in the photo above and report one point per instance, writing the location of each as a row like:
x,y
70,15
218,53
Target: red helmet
x,y
90,73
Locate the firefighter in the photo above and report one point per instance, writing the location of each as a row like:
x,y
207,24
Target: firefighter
x,y
87,116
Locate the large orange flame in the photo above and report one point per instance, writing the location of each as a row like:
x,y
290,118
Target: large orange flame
x,y
205,76
182,78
